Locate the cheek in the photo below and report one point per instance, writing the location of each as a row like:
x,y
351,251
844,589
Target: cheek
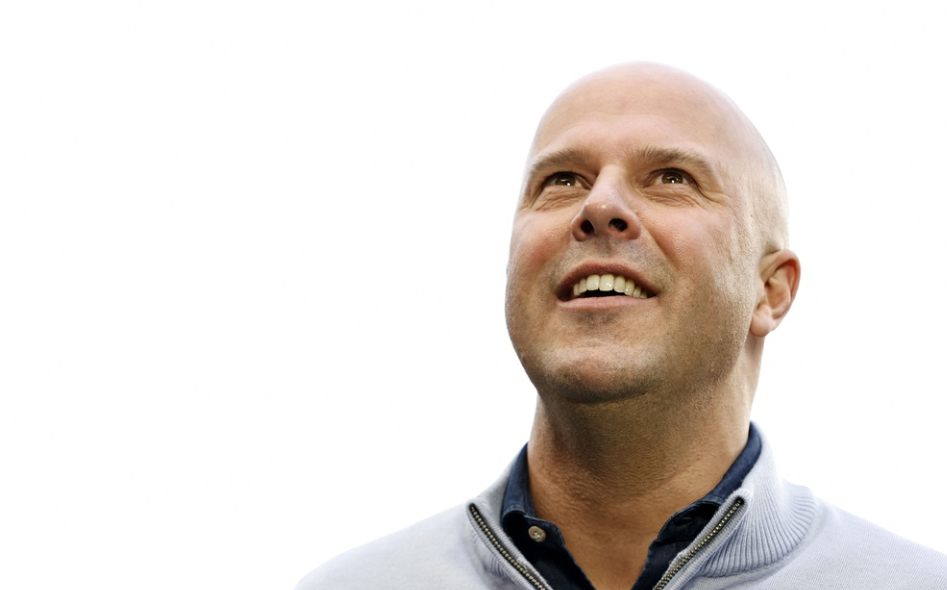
x,y
698,241
533,244
534,248
710,254
686,241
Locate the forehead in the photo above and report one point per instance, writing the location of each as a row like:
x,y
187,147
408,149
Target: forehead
x,y
640,107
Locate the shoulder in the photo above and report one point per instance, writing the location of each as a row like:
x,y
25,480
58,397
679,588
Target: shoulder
x,y
432,553
448,550
786,537
842,551
872,554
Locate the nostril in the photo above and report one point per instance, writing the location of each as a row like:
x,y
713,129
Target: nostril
x,y
587,226
618,224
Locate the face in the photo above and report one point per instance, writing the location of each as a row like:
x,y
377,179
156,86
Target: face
x,y
632,265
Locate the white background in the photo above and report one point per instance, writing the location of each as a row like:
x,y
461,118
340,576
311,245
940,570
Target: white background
x,y
252,264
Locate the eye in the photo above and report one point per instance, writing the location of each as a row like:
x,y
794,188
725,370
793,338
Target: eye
x,y
673,177
562,179
558,189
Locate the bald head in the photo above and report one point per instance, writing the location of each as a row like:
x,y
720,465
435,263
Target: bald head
x,y
685,105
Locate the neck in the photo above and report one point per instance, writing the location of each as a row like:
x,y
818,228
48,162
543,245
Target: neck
x,y
611,474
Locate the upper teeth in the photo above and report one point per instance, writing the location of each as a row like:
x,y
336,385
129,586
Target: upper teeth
x,y
616,283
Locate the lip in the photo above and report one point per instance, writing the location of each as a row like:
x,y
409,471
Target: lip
x,y
564,289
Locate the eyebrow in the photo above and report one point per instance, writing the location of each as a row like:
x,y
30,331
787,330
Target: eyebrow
x,y
659,156
663,156
557,159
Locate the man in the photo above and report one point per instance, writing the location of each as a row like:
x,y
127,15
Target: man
x,y
648,263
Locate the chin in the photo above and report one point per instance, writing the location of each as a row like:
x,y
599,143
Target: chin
x,y
590,379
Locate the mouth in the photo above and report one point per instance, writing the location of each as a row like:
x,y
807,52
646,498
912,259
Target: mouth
x,y
607,285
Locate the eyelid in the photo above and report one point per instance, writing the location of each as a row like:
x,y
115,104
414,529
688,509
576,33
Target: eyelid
x,y
560,173
687,177
542,182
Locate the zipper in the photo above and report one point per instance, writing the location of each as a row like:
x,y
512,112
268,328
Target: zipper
x,y
506,554
690,554
737,505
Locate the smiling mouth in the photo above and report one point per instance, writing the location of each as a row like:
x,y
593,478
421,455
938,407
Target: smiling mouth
x,y
607,286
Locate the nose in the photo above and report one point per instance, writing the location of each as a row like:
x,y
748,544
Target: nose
x,y
605,212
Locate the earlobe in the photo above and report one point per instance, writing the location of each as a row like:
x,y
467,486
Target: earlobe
x,y
779,274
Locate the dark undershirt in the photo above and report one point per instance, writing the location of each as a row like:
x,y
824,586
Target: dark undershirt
x,y
553,560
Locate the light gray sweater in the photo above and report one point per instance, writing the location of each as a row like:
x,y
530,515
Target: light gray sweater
x,y
768,535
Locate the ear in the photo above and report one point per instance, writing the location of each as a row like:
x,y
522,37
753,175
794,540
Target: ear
x,y
779,276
